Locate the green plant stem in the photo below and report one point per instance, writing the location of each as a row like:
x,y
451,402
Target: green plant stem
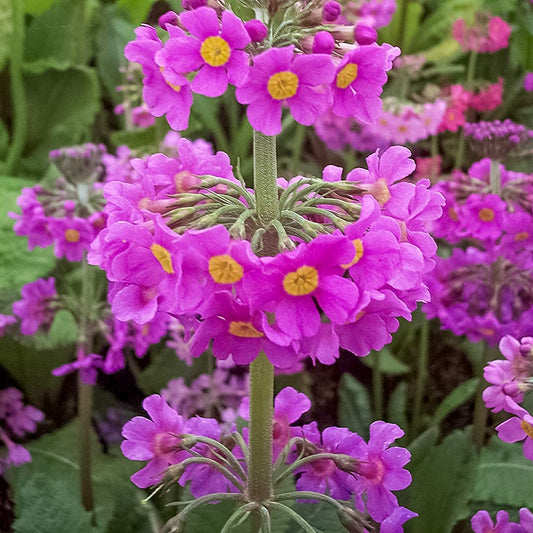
x,y
421,377
481,413
261,411
265,176
17,88
85,391
377,387
495,177
402,24
470,75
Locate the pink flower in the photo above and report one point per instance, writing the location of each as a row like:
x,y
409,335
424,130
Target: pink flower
x,y
279,77
142,117
35,309
215,50
488,33
484,216
482,523
518,428
359,82
72,236
156,440
528,81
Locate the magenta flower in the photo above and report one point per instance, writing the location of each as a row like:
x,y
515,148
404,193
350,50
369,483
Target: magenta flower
x,y
170,95
156,440
16,454
482,523
279,77
36,308
292,281
87,365
215,49
518,428
526,519
393,523
381,470
528,82
72,236
484,216
359,82
5,322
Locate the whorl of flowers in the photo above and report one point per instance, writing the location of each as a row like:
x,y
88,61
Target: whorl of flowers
x,y
335,465
185,240
487,34
16,420
294,57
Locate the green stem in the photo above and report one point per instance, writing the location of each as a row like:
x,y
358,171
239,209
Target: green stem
x,y
421,377
470,75
481,413
402,23
265,176
17,88
495,177
377,387
261,411
85,391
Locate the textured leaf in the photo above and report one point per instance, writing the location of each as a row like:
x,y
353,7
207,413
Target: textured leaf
x,y
388,363
46,505
321,516
422,445
504,477
137,9
397,408
460,395
355,412
442,484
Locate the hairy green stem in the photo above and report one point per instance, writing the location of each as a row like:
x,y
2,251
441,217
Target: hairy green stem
x,y
495,177
421,377
470,74
17,88
265,177
261,411
85,391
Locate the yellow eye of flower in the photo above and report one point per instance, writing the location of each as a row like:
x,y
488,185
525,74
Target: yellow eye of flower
x,y
347,75
302,281
244,329
224,269
72,235
282,85
486,214
215,51
163,256
528,428
359,251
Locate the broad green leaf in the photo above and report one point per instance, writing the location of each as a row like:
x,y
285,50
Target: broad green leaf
x,y
355,412
504,477
455,399
412,26
36,7
397,407
321,516
62,105
18,266
137,9
114,33
442,484
422,445
443,51
47,505
388,363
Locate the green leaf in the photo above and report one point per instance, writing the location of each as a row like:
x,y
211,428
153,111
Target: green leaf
x,y
114,33
504,477
442,484
443,51
422,445
6,28
355,412
45,505
321,516
388,363
137,9
18,266
460,395
62,105
136,139
397,407
36,7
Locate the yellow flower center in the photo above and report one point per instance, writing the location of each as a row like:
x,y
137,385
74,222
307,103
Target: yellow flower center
x,y
452,213
380,191
215,51
177,88
528,428
486,215
224,269
302,281
244,329
347,75
163,256
72,235
359,250
282,85
522,236
488,332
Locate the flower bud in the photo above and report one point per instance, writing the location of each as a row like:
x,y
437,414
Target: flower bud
x,y
331,11
352,520
170,17
346,463
323,43
365,34
256,30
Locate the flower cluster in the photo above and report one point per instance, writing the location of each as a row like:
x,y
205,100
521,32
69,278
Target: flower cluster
x,y
335,463
205,53
487,34
16,420
482,522
357,254
484,290
69,215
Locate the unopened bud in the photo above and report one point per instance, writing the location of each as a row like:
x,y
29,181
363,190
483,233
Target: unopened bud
x,y
352,520
229,442
256,30
172,474
323,43
365,34
346,463
331,11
